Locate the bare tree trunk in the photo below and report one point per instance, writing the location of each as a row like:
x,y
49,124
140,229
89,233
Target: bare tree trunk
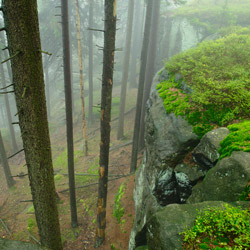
x,y
25,52
68,105
8,110
150,67
135,44
144,57
47,88
107,83
90,45
84,126
120,132
4,161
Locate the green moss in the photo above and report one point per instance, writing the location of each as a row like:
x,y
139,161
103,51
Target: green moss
x,y
218,73
237,140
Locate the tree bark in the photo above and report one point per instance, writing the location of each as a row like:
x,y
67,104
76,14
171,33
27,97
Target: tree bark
x,y
90,72
68,105
120,132
21,22
4,162
106,99
136,44
150,69
79,44
144,56
47,89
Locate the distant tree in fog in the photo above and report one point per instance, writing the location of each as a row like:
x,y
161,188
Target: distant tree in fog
x,y
126,57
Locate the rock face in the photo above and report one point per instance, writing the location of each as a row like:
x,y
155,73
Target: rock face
x,y
225,181
206,153
19,245
178,168
164,227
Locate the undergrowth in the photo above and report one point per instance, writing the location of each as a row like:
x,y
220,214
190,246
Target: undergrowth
x,y
216,228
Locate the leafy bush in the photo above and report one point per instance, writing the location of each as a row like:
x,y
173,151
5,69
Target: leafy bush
x,y
118,210
218,73
215,228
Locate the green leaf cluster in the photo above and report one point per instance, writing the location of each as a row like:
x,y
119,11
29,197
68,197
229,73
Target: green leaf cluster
x,y
218,73
216,228
118,209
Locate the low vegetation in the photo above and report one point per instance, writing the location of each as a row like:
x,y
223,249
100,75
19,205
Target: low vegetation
x,y
218,74
214,228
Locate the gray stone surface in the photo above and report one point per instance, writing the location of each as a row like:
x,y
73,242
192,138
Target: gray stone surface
x,y
18,245
206,153
164,227
194,173
225,181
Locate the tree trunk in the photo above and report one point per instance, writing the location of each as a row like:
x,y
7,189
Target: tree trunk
x,y
79,44
120,132
68,106
107,83
150,69
47,88
8,110
136,44
144,56
21,22
90,45
4,162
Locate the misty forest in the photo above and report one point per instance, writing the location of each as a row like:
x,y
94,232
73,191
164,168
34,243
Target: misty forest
x,y
124,124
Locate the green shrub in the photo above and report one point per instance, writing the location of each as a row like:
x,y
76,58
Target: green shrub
x,y
118,210
216,228
218,73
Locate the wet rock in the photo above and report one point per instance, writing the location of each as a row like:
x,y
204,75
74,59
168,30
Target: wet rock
x,y
226,181
206,153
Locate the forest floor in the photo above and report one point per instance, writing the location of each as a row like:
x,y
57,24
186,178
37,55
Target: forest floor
x,y
19,217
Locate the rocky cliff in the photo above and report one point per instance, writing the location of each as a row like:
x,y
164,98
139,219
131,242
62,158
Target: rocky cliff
x,y
179,168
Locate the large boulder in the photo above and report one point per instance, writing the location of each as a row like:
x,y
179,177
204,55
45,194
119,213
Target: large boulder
x,y
164,227
19,245
224,182
206,153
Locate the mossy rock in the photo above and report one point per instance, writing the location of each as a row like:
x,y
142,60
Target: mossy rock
x,y
218,73
12,244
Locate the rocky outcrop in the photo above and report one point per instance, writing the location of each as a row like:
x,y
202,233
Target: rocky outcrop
x,y
206,153
225,181
177,167
12,244
164,227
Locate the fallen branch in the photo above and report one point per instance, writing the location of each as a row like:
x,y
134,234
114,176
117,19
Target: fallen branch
x,y
16,153
120,146
5,227
26,201
33,238
95,183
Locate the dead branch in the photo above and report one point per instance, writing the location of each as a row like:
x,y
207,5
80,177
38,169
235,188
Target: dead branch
x,y
16,153
95,183
5,227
